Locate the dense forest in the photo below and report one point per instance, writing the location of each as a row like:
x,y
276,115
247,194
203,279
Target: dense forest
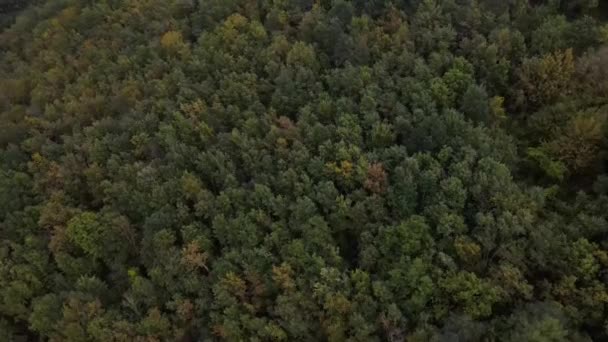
x,y
304,170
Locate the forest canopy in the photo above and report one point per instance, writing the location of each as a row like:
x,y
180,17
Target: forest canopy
x,y
303,170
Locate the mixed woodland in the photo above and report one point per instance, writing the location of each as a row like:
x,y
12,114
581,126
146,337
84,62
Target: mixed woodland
x,y
304,170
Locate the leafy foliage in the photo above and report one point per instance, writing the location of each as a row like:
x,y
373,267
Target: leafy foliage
x,y
335,170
